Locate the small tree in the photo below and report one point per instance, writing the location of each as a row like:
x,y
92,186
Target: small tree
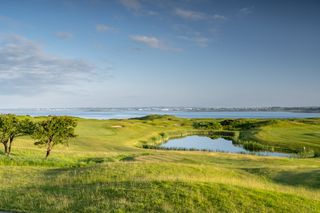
x,y
10,128
54,130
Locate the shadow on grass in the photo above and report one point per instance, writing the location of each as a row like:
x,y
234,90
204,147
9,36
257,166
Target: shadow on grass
x,y
128,158
309,179
306,178
315,134
1,152
95,160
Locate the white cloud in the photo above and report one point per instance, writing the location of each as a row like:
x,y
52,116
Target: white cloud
x,y
103,28
64,35
149,41
246,10
196,16
152,42
26,68
188,14
137,8
131,4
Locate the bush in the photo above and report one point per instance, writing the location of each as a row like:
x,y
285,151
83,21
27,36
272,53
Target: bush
x,y
254,146
243,124
206,125
307,153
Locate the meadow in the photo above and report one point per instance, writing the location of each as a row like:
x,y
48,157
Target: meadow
x,y
106,169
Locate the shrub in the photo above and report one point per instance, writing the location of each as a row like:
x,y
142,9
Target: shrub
x,y
206,125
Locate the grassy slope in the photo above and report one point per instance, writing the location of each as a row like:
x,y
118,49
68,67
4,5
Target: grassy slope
x,y
292,134
117,175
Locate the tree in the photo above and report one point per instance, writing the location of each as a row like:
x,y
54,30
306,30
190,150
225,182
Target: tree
x,y
54,130
4,131
19,128
12,127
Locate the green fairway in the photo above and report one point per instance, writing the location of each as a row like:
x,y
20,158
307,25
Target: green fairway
x,y
105,169
292,134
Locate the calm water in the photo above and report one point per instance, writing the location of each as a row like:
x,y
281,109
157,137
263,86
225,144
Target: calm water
x,y
122,114
220,144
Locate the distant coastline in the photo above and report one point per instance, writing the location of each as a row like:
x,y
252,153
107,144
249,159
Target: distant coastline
x,y
313,109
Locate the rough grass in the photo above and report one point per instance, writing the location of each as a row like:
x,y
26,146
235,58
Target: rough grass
x,y
146,186
104,170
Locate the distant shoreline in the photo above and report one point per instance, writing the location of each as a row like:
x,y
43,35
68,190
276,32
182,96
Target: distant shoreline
x,y
177,109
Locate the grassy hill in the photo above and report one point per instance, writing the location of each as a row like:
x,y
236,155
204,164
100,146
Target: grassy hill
x,y
293,134
105,170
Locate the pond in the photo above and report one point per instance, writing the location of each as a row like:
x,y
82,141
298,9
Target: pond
x,y
217,144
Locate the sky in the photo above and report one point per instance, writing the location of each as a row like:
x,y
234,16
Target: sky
x,y
131,53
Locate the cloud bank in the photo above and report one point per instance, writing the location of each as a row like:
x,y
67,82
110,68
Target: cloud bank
x,y
26,68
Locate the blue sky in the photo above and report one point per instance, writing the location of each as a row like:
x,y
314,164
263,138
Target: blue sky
x,y
119,53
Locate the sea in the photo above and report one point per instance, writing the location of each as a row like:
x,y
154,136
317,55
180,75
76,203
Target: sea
x,y
124,113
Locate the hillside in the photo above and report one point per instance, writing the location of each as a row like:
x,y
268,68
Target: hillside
x,y
105,169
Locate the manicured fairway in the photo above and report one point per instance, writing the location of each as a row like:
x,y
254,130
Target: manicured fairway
x,y
292,134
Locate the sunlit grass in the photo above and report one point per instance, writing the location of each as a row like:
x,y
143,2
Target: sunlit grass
x,y
292,134
105,169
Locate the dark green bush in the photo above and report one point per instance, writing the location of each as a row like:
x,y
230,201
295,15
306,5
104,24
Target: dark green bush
x,y
206,125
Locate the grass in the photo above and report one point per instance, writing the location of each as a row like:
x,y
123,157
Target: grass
x,y
105,170
295,135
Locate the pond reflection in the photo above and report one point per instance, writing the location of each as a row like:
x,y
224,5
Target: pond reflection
x,y
213,144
